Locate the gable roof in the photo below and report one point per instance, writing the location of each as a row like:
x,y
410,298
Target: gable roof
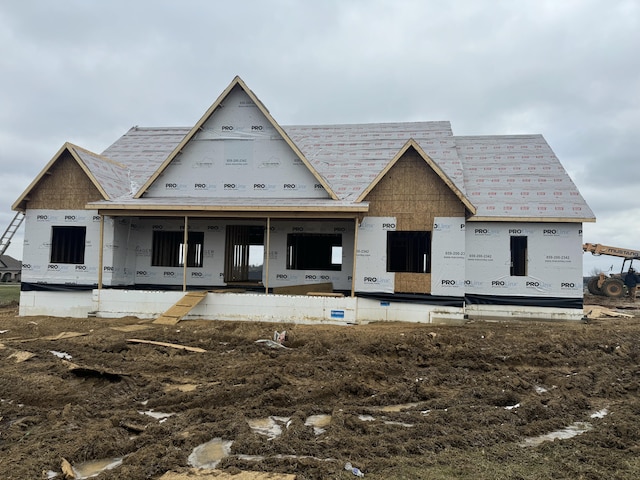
x,y
9,263
498,178
351,157
411,143
109,177
236,82
507,177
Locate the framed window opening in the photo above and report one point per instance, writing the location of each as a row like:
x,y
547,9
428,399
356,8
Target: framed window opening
x,y
314,251
409,251
68,244
519,256
167,249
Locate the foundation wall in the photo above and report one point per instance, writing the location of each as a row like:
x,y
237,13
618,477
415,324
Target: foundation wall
x,y
272,308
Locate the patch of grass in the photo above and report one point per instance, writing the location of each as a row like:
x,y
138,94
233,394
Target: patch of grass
x,y
9,293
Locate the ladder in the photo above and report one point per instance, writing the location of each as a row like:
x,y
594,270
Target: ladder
x,y
5,240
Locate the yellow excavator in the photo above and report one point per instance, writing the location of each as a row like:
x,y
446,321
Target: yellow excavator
x,y
611,285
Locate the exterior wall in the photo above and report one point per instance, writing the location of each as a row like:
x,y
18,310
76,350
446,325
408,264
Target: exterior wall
x,y
137,257
7,277
554,260
119,256
237,153
448,258
280,276
414,195
36,266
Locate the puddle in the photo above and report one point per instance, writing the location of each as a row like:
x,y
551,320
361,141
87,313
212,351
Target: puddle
x,y
399,424
95,467
158,415
318,422
398,408
573,430
270,427
600,413
209,454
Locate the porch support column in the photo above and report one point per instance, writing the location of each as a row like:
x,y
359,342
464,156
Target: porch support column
x,y
267,249
184,253
355,256
101,253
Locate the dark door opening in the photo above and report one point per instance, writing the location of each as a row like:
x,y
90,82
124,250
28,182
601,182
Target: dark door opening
x,y
244,254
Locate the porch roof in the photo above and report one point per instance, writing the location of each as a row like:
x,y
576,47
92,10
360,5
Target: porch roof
x,y
224,206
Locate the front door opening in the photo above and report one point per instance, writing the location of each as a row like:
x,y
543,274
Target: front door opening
x,y
518,256
244,254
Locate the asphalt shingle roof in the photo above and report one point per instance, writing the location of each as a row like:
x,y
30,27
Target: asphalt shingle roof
x,y
508,176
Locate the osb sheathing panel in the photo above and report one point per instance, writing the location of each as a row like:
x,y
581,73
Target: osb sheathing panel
x,y
412,282
65,187
413,193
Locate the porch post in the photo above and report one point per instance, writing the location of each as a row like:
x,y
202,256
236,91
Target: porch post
x,y
355,256
101,253
184,253
267,247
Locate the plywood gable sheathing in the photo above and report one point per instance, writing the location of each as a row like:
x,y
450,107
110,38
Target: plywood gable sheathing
x,y
413,193
64,186
66,182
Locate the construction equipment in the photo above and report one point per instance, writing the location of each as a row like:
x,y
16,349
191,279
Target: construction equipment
x,y
5,240
610,285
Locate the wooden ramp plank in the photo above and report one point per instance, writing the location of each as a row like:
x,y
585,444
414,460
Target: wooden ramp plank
x,y
180,308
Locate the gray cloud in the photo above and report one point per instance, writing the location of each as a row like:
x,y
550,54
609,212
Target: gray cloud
x,y
86,72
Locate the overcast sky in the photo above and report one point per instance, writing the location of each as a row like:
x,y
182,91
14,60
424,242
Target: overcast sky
x,y
86,71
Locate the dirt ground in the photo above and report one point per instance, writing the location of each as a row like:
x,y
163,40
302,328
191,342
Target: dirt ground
x,y
406,401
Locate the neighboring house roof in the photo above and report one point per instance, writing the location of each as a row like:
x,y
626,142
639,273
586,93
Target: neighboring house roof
x,y
503,178
9,263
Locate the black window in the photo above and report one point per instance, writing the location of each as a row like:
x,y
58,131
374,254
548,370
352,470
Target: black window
x,y
518,256
167,249
314,251
409,251
67,244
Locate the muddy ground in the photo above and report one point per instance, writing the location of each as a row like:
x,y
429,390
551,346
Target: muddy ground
x,y
474,398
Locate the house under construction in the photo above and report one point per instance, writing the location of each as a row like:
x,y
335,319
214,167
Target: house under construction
x,y
316,223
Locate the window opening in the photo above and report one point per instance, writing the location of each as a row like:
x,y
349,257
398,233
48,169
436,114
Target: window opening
x,y
167,249
314,251
68,244
409,251
518,256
